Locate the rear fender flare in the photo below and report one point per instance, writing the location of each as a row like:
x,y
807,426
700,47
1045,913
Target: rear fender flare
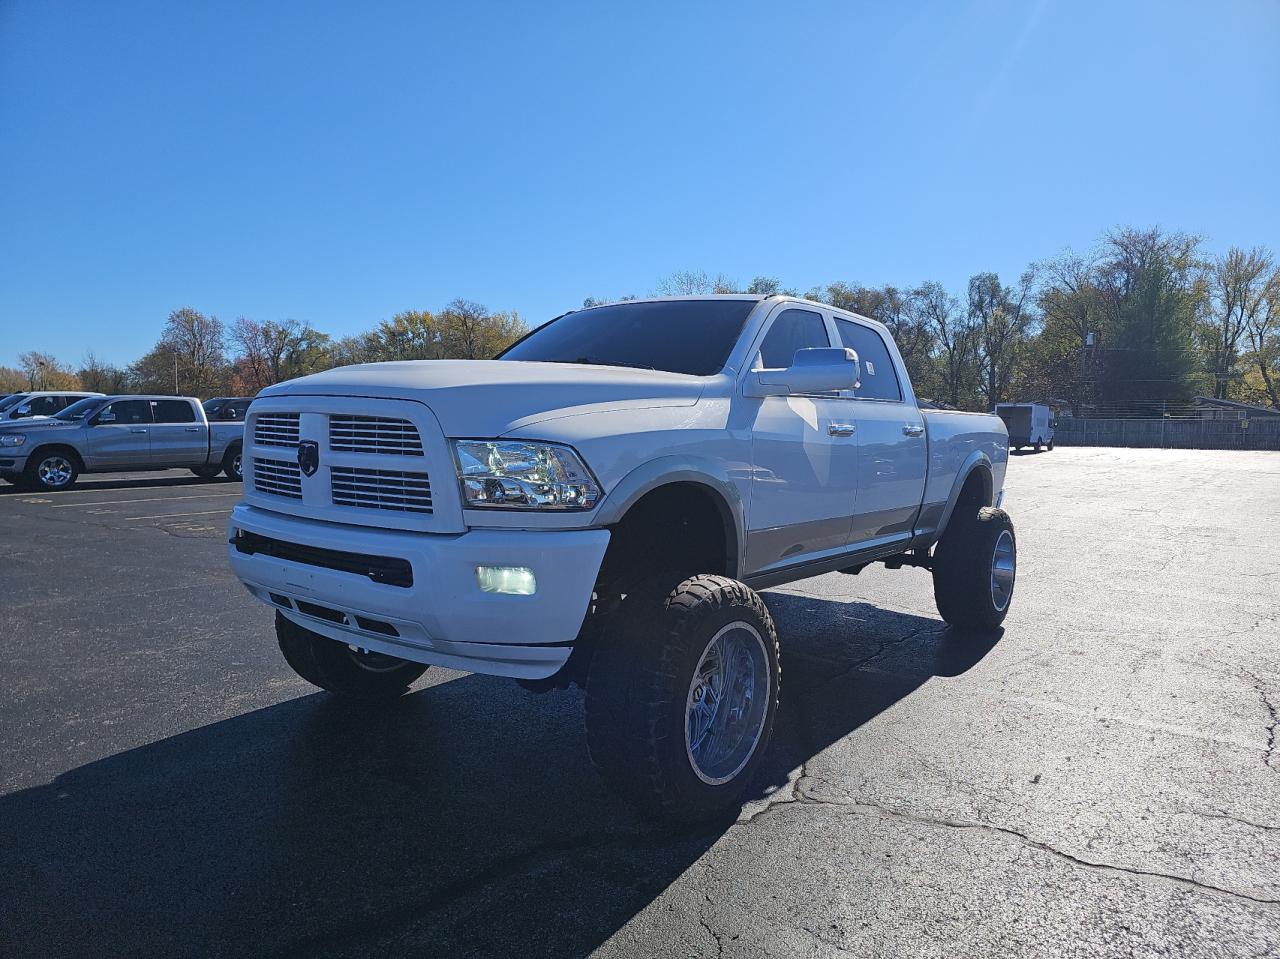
x,y
977,461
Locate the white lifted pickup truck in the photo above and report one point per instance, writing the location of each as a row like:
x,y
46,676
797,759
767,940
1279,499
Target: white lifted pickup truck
x,y
599,504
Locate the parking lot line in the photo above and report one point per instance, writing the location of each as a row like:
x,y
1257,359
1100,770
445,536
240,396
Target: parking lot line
x,y
167,515
151,499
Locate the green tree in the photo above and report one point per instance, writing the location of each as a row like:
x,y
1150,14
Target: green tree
x,y
1153,292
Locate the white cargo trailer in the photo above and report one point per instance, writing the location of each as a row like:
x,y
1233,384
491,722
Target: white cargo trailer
x,y
1029,424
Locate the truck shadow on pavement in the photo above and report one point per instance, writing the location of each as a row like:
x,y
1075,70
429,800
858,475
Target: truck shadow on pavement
x,y
464,820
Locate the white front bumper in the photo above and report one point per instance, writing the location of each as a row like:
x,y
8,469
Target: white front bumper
x,y
444,618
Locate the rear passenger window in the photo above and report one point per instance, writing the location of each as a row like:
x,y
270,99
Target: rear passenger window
x,y
173,411
792,330
879,379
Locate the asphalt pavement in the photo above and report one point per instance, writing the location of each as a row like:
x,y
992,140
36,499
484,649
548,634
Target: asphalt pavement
x,y
1102,779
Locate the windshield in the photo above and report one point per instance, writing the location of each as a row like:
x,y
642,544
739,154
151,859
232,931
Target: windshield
x,y
9,402
678,336
78,411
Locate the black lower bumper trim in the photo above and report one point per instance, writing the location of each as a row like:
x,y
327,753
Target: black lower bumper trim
x,y
380,569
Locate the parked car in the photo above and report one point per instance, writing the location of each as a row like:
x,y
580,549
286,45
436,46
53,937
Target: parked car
x,y
598,506
104,434
1029,424
227,407
39,404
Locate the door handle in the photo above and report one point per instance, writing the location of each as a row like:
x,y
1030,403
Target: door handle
x,y
191,429
910,430
840,429
137,431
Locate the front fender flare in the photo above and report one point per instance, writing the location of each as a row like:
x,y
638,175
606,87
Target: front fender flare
x,y
667,470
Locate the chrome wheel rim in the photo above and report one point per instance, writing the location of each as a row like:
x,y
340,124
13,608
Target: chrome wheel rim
x,y
727,703
55,471
235,466
1003,570
372,662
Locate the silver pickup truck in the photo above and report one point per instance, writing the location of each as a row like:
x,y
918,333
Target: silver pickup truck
x,y
106,434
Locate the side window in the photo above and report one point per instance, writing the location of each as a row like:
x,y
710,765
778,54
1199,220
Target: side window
x,y
173,411
879,379
45,406
129,412
792,330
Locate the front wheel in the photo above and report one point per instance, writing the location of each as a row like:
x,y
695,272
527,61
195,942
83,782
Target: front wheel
x,y
974,568
206,472
344,670
682,696
49,471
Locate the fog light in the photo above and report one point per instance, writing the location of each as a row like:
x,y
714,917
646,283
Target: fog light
x,y
517,580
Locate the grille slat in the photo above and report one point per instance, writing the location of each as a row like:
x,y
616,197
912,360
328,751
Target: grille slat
x,y
386,435
380,489
277,477
276,429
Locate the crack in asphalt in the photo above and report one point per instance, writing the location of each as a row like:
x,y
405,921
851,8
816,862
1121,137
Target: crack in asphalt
x,y
1269,751
803,798
702,920
1231,818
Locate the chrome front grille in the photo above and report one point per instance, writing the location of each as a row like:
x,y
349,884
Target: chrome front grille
x,y
276,429
277,477
393,490
373,434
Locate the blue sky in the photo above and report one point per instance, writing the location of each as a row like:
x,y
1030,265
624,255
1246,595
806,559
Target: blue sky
x,y
337,163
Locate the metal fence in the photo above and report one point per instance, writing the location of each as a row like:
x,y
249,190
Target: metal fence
x,y
1258,433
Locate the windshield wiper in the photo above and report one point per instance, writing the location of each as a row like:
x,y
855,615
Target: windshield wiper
x,y
589,361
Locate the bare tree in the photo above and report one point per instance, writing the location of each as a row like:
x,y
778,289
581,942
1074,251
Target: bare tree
x,y
1071,305
1000,316
271,352
954,333
1262,322
468,331
695,283
102,377
1237,283
197,342
44,372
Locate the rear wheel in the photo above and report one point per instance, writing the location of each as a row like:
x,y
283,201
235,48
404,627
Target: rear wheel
x,y
1050,446
341,669
231,464
682,695
974,569
50,470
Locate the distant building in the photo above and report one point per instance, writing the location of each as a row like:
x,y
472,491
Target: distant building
x,y
1208,408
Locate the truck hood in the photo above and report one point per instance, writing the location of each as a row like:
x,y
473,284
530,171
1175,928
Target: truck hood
x,y
34,424
487,398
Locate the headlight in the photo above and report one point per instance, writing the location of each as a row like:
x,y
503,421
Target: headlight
x,y
12,439
518,475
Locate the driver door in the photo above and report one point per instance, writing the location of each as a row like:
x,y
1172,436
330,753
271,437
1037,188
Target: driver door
x,y
120,436
804,457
